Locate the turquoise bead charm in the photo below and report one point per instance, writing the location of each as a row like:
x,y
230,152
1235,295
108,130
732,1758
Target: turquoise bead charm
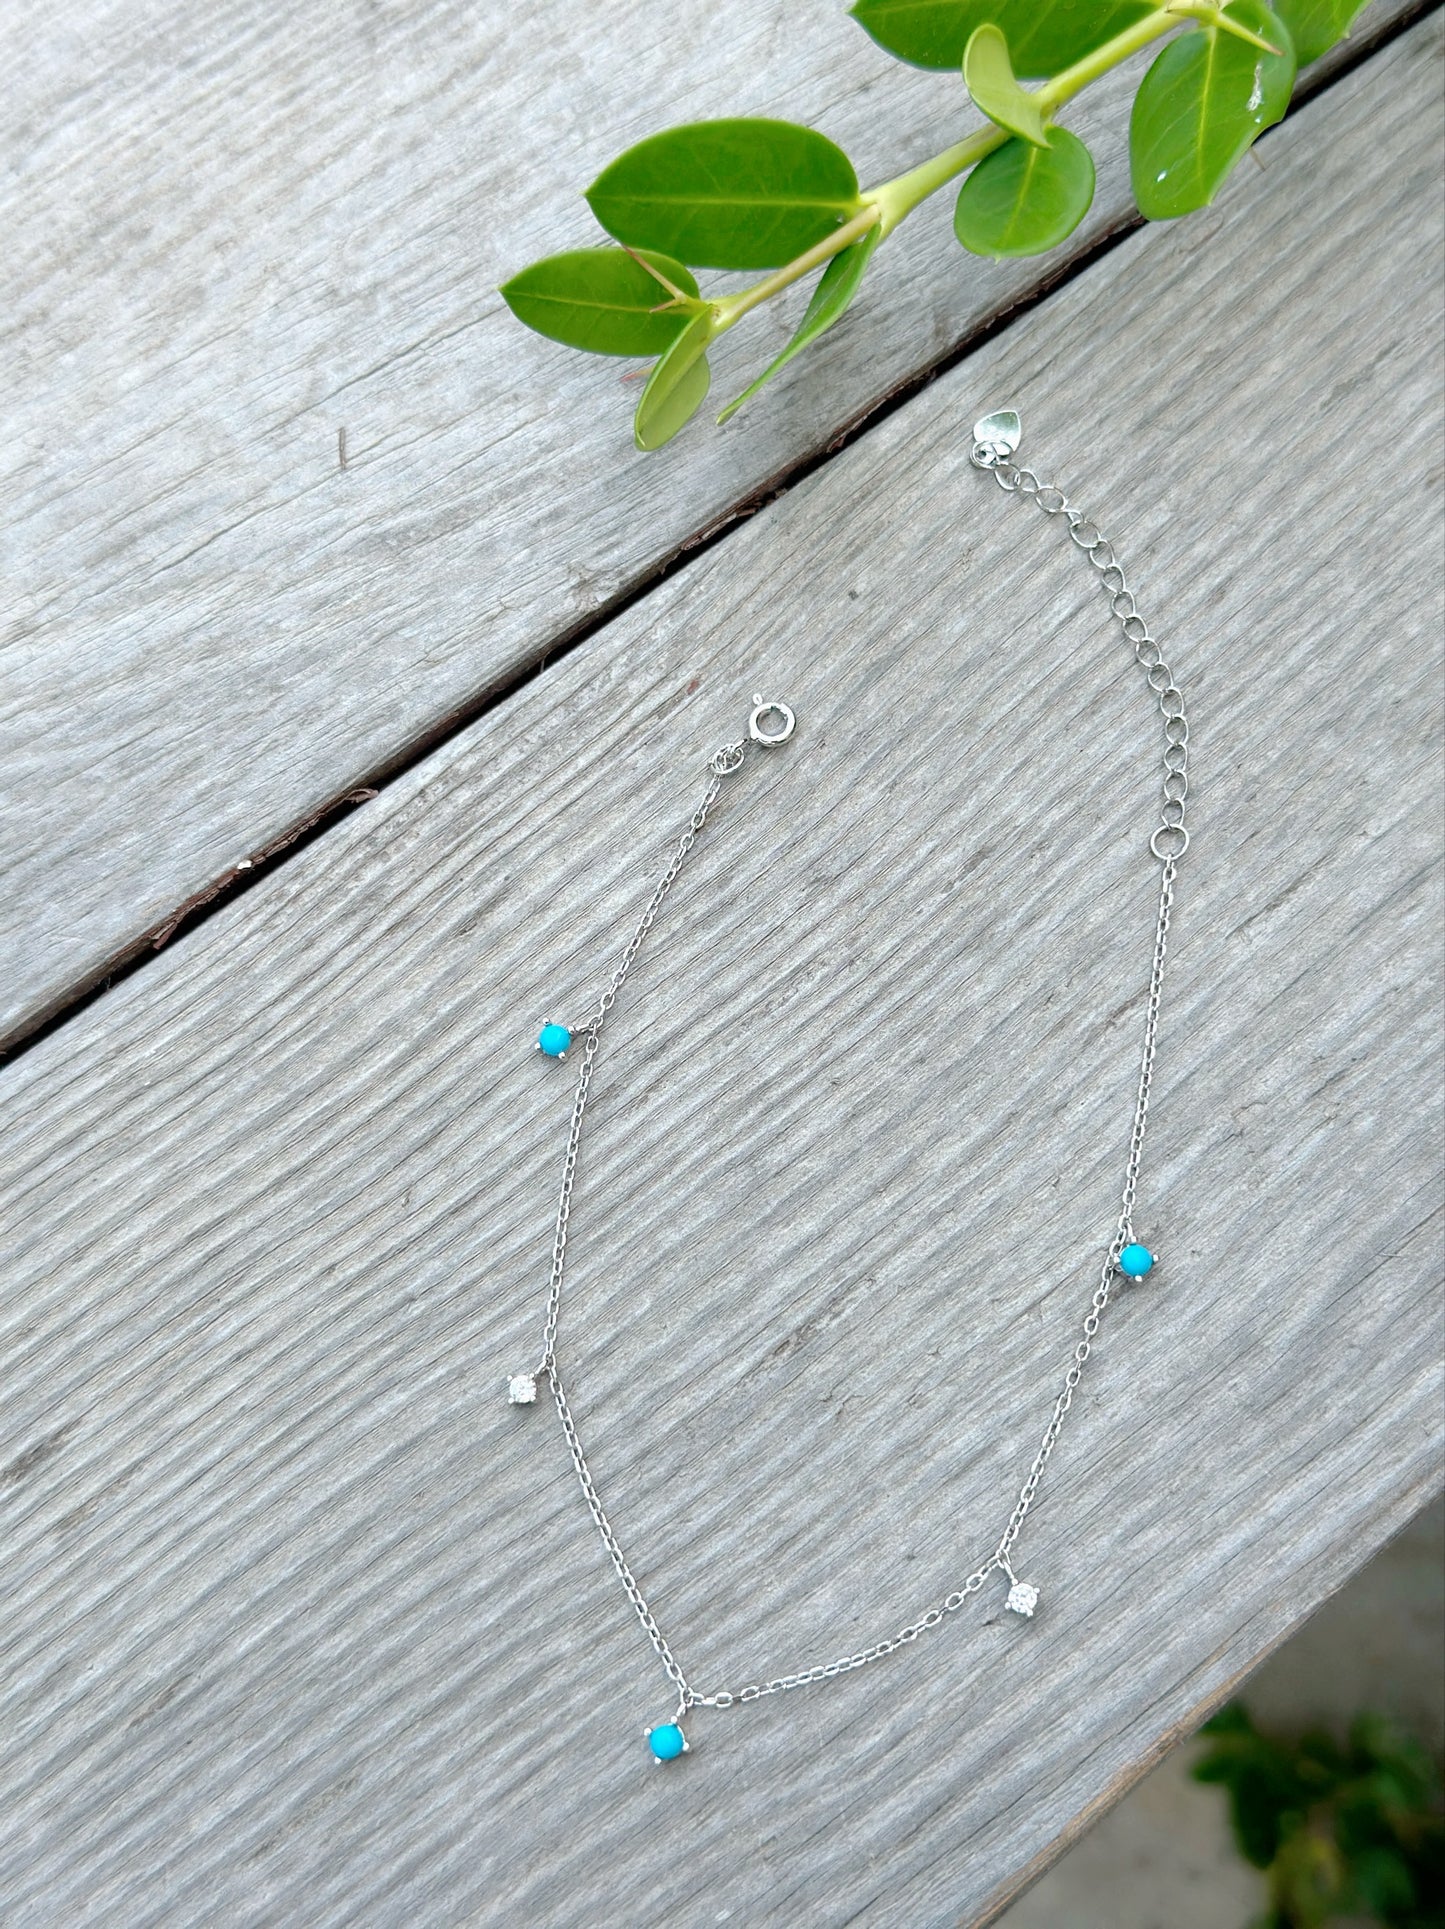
x,y
553,1040
667,1742
1135,1261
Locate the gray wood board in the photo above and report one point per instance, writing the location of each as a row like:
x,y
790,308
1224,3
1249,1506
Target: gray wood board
x,y
227,241
303,1625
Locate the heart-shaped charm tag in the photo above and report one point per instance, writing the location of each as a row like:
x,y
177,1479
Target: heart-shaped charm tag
x,y
1000,432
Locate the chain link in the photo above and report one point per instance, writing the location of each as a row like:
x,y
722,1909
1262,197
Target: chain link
x,y
826,1670
999,1559
723,764
1124,1231
1170,839
1168,844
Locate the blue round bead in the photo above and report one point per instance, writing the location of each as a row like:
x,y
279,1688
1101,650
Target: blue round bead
x,y
666,1741
553,1040
1135,1261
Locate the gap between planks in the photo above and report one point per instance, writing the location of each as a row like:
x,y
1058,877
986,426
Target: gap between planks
x,y
233,883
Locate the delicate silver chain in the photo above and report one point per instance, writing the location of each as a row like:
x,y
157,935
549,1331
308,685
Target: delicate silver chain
x,y
1171,839
995,440
723,763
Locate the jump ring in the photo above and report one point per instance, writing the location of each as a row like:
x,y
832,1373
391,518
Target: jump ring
x,y
1177,838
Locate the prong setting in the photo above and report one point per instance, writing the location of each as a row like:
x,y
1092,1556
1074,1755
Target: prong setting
x,y
553,1040
667,1742
1023,1598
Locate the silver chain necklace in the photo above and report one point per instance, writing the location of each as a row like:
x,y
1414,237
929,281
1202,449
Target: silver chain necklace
x,y
995,442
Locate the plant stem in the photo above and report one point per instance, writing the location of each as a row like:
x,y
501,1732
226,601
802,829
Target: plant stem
x,y
901,196
888,204
1073,80
732,308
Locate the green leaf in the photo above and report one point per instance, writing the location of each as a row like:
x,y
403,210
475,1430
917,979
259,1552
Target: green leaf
x,y
1383,1882
989,77
600,299
728,194
1308,1877
836,287
1024,200
1315,25
1265,1796
1043,35
1199,107
676,388
1232,1719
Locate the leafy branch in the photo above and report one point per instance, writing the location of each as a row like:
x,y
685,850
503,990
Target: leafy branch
x,y
766,194
1338,1830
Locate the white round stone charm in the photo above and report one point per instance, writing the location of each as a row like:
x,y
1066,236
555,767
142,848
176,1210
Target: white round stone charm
x,y
1023,1598
522,1389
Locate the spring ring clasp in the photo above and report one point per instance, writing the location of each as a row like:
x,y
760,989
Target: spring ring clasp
x,y
763,713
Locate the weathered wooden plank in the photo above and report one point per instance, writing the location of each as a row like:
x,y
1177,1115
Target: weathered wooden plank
x,y
231,240
303,1624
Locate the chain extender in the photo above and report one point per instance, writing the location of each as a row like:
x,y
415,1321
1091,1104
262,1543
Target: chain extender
x,y
996,439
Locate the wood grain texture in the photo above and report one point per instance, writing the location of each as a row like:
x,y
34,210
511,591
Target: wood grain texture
x,y
231,238
302,1624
